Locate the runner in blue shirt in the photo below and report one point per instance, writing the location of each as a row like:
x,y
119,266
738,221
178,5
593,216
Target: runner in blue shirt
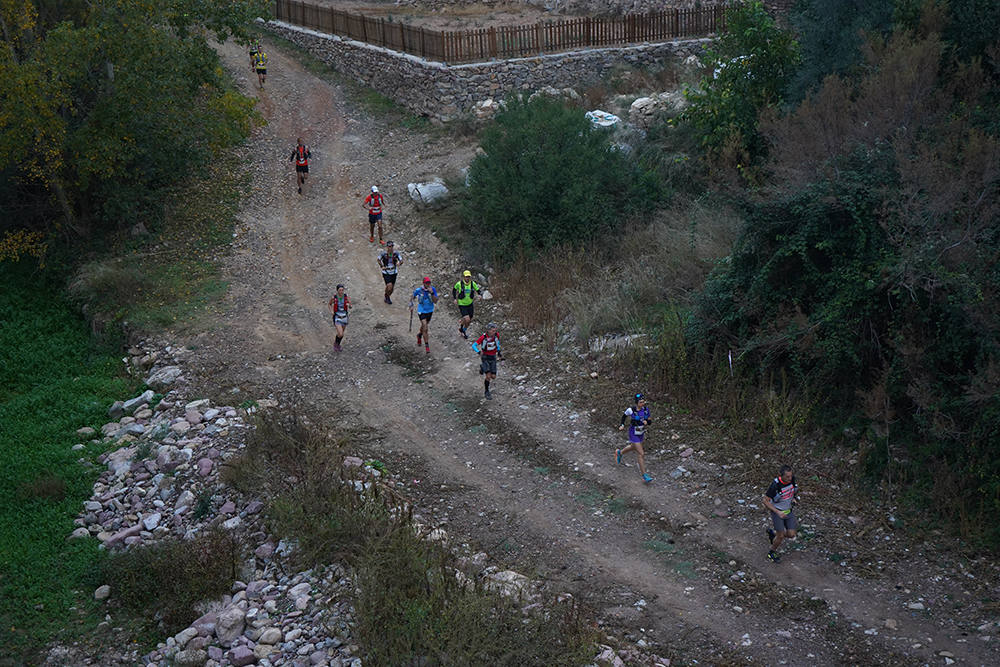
x,y
424,297
638,419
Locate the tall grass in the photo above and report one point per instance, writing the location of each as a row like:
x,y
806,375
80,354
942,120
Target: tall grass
x,y
411,607
53,380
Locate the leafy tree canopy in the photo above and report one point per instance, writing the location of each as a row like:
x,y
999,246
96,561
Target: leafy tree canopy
x,y
103,104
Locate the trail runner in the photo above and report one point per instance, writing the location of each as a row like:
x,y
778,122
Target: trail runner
x,y
779,498
339,306
424,297
463,293
488,347
301,156
374,203
638,419
389,262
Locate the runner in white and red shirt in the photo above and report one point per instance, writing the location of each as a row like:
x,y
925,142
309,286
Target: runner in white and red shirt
x,y
779,498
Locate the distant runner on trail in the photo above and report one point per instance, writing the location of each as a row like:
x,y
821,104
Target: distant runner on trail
x,y
339,305
260,65
463,293
425,297
301,157
374,203
638,418
389,262
253,48
779,498
488,347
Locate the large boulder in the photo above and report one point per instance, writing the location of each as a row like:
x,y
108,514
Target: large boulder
x,y
163,378
230,625
431,195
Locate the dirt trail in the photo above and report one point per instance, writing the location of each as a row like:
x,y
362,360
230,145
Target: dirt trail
x,y
526,476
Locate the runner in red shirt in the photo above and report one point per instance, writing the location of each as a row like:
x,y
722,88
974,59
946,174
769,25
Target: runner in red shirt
x,y
488,347
374,203
301,157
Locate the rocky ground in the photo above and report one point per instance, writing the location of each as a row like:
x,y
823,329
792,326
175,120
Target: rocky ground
x,y
676,568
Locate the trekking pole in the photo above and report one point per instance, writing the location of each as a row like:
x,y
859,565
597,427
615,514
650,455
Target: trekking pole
x,y
410,330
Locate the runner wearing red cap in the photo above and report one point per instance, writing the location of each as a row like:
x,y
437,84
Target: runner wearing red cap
x,y
424,297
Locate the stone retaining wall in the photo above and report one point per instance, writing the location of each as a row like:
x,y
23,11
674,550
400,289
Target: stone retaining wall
x,y
446,92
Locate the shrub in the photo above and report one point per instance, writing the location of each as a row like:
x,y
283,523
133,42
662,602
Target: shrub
x,y
548,178
166,580
751,64
411,608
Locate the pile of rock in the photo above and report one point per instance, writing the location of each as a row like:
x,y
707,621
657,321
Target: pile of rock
x,y
162,481
644,111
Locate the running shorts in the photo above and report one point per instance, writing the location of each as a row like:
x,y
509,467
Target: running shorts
x,y
340,321
425,316
781,523
488,363
389,278
374,217
261,70
466,311
304,168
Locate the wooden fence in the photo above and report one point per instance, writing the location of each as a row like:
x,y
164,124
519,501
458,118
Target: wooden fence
x,y
505,41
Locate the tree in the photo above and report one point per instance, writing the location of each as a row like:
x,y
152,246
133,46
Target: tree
x,y
752,63
104,105
869,269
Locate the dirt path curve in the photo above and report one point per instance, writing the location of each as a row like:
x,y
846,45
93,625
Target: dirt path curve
x,y
526,476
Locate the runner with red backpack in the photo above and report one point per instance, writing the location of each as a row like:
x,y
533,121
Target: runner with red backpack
x,y
488,348
301,157
374,203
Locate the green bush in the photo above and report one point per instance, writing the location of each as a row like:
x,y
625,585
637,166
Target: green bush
x,y
548,178
164,581
869,272
751,64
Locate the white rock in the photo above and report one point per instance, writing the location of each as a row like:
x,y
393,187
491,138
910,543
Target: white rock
x,y
230,624
102,592
432,194
184,636
270,636
151,521
300,589
163,378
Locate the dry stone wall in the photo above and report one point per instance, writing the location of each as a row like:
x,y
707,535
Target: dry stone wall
x,y
446,92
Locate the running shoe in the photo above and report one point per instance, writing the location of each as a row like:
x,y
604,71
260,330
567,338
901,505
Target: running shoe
x,y
464,335
427,349
770,535
381,242
371,239
618,456
300,189
647,479
488,395
388,300
773,556
336,347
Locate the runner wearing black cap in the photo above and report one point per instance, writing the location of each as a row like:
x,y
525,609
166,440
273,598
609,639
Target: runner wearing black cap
x,y
339,304
638,417
389,261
